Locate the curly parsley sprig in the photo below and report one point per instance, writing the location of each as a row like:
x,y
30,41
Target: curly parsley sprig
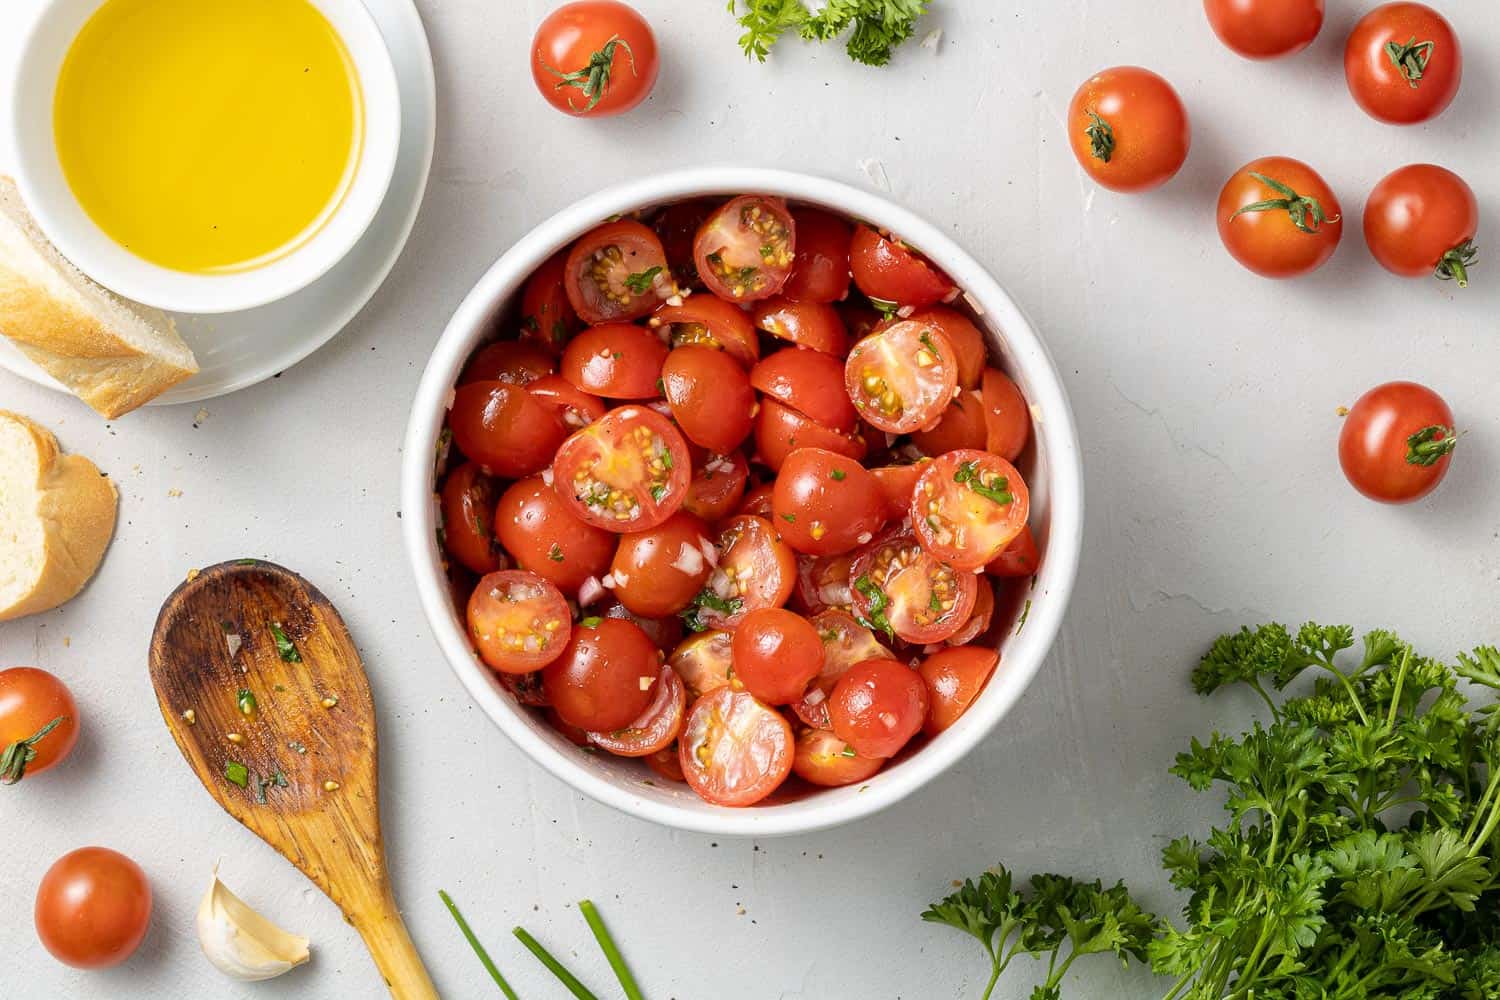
x,y
874,27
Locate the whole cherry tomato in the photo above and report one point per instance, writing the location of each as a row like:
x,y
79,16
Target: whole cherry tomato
x,y
38,722
878,706
1265,29
1403,63
93,908
1397,442
1278,218
776,654
594,58
1421,220
1128,129
606,677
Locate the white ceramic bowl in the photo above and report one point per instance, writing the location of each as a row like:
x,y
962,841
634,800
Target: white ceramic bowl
x,y
40,176
1054,473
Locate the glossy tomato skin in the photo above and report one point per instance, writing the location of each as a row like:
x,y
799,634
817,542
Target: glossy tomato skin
x,y
1269,242
1419,81
615,360
93,908
570,404
962,425
540,531
1420,220
735,750
30,701
814,325
955,678
825,760
617,272
704,661
823,583
717,486
517,621
845,643
776,653
967,340
1007,415
1376,447
606,676
756,570
518,362
547,317
745,250
898,483
468,509
710,396
877,707
885,268
1265,29
665,762
781,430
504,429
902,377
758,500
657,726
678,225
1020,558
825,504
711,322
659,571
810,382
1129,129
575,37
979,619
821,270
968,506
627,471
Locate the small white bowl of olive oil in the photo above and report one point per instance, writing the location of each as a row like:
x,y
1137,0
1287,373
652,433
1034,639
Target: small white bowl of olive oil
x,y
205,157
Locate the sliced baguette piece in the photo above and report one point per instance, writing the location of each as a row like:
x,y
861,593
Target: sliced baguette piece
x,y
57,515
111,353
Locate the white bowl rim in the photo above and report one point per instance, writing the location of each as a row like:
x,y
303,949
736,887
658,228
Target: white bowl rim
x,y
97,255
1033,366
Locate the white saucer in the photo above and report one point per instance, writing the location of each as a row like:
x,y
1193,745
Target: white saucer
x,y
236,350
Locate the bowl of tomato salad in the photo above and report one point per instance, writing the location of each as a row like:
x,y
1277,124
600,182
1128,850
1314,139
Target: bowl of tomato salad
x,y
743,501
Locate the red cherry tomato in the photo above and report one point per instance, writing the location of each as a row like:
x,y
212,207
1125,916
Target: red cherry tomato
x,y
710,322
756,570
889,271
710,396
968,506
540,531
617,272
902,377
823,583
38,722
780,430
657,726
758,501
616,360
734,750
571,405
963,425
525,688
717,486
1278,218
573,734
825,504
594,58
1397,442
606,677
659,571
776,655
898,483
1403,63
745,250
93,907
955,678
517,362
810,382
504,428
903,590
678,226
821,271
979,619
1128,129
518,621
547,317
705,662
1265,29
877,707
1020,557
666,763
1421,220
845,643
627,471
665,633
468,511
967,340
821,758
1007,415
813,325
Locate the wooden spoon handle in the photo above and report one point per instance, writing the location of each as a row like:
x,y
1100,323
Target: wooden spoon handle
x,y
391,946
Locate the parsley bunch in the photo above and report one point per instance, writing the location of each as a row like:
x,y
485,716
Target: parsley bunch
x,y
878,25
1360,858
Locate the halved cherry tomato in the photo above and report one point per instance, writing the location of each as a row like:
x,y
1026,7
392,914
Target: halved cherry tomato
x,y
889,271
967,340
518,621
1265,29
705,662
574,407
780,430
616,360
955,678
606,676
903,590
968,506
898,483
617,272
711,322
823,583
717,486
1007,415
821,758
468,510
1278,218
1420,220
525,688
979,619
758,501
710,396
504,429
734,750
517,362
810,382
878,706
678,226
756,570
38,722
1397,442
845,643
776,654
666,632
547,317
1128,129
93,908
902,377
594,58
666,763
962,425
821,270
659,571
657,726
543,534
813,325
627,471
1020,557
745,250
825,504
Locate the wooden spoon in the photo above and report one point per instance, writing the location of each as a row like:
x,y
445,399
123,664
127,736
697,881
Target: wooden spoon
x,y
294,759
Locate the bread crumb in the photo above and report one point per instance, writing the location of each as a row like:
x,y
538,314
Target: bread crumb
x,y
192,575
174,493
1342,411
67,640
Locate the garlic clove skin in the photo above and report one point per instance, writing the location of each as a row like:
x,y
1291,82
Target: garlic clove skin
x,y
241,943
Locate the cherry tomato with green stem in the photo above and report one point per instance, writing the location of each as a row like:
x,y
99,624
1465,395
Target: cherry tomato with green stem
x,y
38,723
1403,63
1278,218
1421,220
1397,442
1129,129
594,58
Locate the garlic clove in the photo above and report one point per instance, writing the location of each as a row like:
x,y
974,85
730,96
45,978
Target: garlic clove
x,y
241,943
